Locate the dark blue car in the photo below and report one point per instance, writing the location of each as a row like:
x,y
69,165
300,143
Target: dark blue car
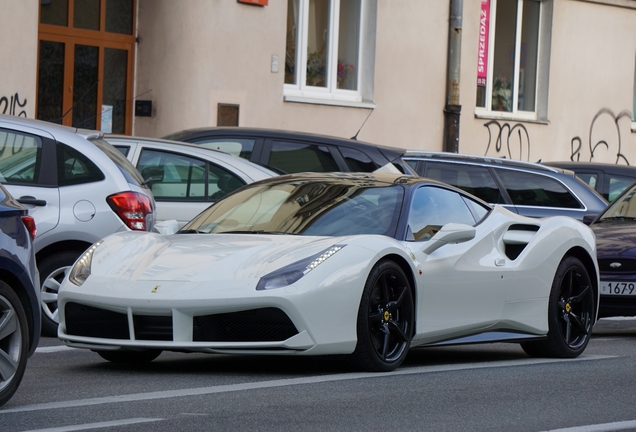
x,y
615,231
19,294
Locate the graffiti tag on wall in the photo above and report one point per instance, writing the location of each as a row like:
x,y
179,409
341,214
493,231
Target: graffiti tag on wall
x,y
12,106
609,146
507,141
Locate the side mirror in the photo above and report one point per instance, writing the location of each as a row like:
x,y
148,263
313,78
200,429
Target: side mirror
x,y
166,227
449,233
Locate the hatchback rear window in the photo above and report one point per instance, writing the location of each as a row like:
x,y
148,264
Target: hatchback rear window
x,y
127,169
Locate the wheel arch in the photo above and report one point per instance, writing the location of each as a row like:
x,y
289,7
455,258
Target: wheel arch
x,y
63,246
588,262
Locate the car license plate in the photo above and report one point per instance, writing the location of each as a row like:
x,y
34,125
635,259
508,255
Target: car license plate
x,y
618,288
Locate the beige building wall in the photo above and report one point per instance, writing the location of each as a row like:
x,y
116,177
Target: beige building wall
x,y
18,51
192,58
591,89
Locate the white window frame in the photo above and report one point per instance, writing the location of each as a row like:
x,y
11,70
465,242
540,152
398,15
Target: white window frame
x,y
331,95
634,99
544,37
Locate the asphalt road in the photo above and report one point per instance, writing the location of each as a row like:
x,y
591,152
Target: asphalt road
x,y
493,387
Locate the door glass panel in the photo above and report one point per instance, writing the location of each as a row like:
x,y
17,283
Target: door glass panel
x,y
475,180
19,158
86,14
119,16
54,12
51,81
173,176
85,87
295,157
242,147
221,182
536,190
114,97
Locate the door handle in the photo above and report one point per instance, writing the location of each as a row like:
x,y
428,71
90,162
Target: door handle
x,y
31,200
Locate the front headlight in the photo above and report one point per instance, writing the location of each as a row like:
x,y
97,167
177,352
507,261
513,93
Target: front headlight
x,y
82,268
293,272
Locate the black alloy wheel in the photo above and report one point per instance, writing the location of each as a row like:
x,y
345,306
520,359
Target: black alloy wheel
x,y
571,313
385,319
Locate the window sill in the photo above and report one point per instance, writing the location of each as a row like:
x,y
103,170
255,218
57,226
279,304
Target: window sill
x,y
506,116
332,102
633,126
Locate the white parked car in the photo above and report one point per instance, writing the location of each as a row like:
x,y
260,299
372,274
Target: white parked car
x,y
185,178
77,187
342,263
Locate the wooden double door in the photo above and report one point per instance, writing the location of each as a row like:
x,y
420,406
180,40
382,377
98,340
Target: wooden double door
x,y
85,63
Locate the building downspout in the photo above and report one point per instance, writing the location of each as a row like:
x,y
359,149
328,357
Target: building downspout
x,y
452,109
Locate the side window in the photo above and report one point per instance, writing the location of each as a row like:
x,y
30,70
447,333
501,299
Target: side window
x,y
590,178
617,184
509,55
357,161
295,157
475,180
123,149
74,168
173,176
433,207
536,190
20,157
221,182
242,147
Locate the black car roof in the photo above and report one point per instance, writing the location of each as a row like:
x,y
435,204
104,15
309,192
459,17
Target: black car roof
x,y
273,133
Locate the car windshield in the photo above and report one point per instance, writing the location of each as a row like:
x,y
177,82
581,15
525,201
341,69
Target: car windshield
x,y
623,208
305,207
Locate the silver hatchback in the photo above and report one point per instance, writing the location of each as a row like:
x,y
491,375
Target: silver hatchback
x,y
77,187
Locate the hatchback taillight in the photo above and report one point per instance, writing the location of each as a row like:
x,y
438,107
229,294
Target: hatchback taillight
x,y
132,208
29,223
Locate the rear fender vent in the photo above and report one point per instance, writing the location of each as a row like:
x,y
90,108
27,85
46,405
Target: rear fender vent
x,y
517,238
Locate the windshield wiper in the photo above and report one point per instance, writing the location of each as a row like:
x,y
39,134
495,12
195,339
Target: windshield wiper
x,y
190,231
613,218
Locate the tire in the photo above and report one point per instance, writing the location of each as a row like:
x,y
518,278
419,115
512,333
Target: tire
x,y
52,270
130,357
14,342
571,311
385,319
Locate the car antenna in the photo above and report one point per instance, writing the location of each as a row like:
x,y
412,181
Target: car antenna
x,y
355,137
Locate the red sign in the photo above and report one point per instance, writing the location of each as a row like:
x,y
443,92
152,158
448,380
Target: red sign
x,y
255,2
482,53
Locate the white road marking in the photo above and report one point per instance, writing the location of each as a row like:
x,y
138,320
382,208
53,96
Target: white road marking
x,y
98,425
135,397
605,427
51,349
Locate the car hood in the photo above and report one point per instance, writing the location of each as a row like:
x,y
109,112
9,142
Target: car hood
x,y
615,239
201,257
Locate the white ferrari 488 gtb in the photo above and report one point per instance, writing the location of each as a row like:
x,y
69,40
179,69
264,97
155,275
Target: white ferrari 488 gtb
x,y
362,264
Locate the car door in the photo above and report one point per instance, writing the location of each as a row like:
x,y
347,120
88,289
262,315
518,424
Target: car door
x,y
457,289
28,170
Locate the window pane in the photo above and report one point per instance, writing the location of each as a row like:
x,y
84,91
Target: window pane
x,y
432,208
473,179
317,42
242,147
75,168
86,14
85,88
54,12
174,176
221,182
529,55
114,99
50,81
504,55
357,161
294,158
119,16
348,42
291,54
536,190
19,158
618,184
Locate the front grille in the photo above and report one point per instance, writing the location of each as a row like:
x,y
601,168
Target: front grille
x,y
157,328
257,325
82,320
626,266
